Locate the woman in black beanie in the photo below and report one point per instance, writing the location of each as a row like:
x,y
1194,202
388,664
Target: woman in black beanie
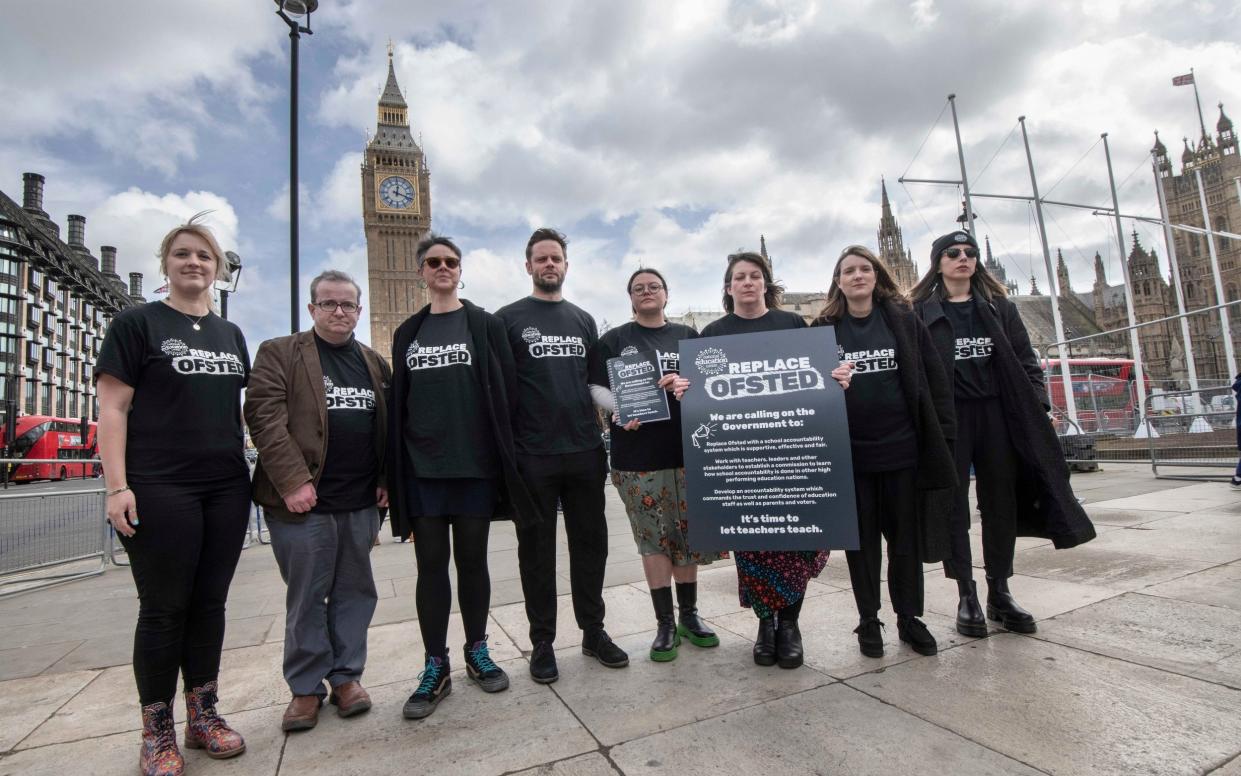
x,y
999,397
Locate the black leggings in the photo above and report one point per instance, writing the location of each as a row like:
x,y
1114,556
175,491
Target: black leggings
x,y
182,556
434,594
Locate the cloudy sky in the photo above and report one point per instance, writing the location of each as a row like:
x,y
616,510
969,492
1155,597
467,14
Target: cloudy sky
x,y
653,133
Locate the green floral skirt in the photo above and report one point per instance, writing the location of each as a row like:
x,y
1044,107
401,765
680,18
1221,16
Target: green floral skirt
x,y
655,502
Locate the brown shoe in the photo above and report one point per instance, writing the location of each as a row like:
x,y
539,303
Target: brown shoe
x,y
302,713
349,699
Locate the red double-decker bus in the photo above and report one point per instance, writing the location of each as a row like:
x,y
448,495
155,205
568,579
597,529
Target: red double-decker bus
x,y
1103,389
44,437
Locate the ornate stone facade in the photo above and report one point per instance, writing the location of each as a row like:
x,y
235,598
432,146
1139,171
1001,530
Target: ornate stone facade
x,y
396,214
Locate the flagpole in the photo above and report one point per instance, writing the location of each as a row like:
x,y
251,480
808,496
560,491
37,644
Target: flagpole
x,y
1198,102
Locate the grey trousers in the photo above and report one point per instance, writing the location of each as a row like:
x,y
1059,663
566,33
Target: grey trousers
x,y
326,564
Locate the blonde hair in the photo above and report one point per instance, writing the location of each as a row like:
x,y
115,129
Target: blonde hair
x,y
194,226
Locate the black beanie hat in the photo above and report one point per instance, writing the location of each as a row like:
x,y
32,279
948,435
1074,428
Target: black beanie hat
x,y
959,237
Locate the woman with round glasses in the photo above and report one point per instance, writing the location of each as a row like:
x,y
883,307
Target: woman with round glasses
x,y
900,416
648,468
1003,431
453,465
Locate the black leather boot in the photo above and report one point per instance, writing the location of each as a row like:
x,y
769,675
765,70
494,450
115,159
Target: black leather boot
x,y
1003,608
970,620
690,624
765,644
664,647
788,643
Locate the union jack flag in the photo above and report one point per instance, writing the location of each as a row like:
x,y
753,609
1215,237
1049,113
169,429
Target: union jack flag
x,y
1183,80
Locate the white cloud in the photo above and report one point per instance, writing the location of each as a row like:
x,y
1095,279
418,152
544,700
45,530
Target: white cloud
x,y
135,221
144,80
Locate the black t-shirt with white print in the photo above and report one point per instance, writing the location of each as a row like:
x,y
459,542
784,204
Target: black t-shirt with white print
x,y
973,352
350,474
185,422
654,446
446,434
881,433
550,341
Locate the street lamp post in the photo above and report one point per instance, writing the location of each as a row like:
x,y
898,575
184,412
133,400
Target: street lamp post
x,y
292,11
228,285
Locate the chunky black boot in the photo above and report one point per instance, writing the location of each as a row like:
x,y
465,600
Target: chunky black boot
x,y
690,625
765,644
664,647
870,636
788,642
1003,608
970,620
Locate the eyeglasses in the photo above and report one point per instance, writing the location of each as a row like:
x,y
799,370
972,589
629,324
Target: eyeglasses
x,y
448,261
331,306
954,253
639,290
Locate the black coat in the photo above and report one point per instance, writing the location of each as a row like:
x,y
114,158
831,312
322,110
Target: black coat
x,y
497,375
928,394
1046,506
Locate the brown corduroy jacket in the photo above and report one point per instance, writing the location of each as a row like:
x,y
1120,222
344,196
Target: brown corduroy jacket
x,y
286,412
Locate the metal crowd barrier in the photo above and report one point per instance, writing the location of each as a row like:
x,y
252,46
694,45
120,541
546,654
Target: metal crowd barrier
x,y
51,537
1192,429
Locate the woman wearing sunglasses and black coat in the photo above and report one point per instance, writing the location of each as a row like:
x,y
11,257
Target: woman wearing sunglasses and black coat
x,y
452,464
1003,432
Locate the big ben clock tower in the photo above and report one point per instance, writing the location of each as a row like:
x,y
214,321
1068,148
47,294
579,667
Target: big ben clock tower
x,y
396,214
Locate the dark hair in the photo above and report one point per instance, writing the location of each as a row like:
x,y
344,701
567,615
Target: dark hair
x,y
430,241
885,287
332,276
547,233
774,291
644,271
982,283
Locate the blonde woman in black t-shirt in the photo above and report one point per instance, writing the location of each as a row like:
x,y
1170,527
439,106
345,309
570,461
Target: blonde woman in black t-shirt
x,y
169,376
900,416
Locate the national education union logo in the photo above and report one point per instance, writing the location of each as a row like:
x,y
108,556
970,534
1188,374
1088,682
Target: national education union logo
x,y
629,351
531,335
174,347
711,361
328,385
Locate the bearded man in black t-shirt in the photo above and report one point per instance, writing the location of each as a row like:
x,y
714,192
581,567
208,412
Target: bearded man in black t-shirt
x,y
560,455
317,414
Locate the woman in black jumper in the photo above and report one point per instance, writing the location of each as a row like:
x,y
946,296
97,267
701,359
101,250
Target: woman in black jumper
x,y
1000,399
900,414
454,466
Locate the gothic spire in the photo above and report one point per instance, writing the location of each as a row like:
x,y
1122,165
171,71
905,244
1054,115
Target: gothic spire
x,y
392,91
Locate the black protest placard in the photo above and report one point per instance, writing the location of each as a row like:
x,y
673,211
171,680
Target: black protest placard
x,y
766,436
635,384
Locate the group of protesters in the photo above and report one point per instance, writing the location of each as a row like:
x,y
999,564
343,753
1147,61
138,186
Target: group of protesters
x,y
485,417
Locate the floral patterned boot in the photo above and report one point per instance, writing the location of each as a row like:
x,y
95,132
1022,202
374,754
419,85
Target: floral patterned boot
x,y
160,756
205,729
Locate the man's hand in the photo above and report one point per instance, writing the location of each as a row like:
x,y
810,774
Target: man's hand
x,y
381,498
303,499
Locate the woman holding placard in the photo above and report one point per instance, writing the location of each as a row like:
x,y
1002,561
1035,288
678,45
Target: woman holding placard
x,y
648,468
772,583
900,416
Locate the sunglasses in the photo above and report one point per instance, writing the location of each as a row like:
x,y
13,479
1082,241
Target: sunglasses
x,y
955,253
452,263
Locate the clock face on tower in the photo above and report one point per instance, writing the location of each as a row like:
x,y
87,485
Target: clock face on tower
x,y
396,192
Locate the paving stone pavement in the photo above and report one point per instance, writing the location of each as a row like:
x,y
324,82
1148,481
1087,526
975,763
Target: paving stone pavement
x,y
1136,668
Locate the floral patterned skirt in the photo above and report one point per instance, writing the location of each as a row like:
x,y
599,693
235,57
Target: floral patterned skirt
x,y
655,502
768,581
